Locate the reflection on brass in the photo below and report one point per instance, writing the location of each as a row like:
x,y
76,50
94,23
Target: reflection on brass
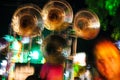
x,y
86,24
27,20
57,15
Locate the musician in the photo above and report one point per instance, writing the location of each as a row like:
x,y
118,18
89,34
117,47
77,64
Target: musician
x,y
53,47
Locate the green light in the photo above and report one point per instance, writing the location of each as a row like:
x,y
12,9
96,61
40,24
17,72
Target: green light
x,y
116,34
3,78
76,68
34,55
111,6
9,38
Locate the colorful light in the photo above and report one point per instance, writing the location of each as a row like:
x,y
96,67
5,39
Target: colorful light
x,y
111,6
80,58
34,55
118,44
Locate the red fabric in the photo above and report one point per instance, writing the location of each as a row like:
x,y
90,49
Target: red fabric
x,y
51,72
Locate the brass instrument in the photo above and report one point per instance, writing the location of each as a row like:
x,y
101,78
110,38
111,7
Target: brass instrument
x,y
27,20
86,24
57,15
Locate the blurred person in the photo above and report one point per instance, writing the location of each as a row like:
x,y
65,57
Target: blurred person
x,y
107,59
53,48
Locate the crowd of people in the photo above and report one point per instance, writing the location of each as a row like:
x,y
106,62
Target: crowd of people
x,y
106,63
106,60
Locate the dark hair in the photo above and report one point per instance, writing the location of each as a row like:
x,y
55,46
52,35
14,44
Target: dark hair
x,y
32,77
53,46
54,42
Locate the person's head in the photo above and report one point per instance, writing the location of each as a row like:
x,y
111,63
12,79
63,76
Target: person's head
x,y
32,77
52,48
107,59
